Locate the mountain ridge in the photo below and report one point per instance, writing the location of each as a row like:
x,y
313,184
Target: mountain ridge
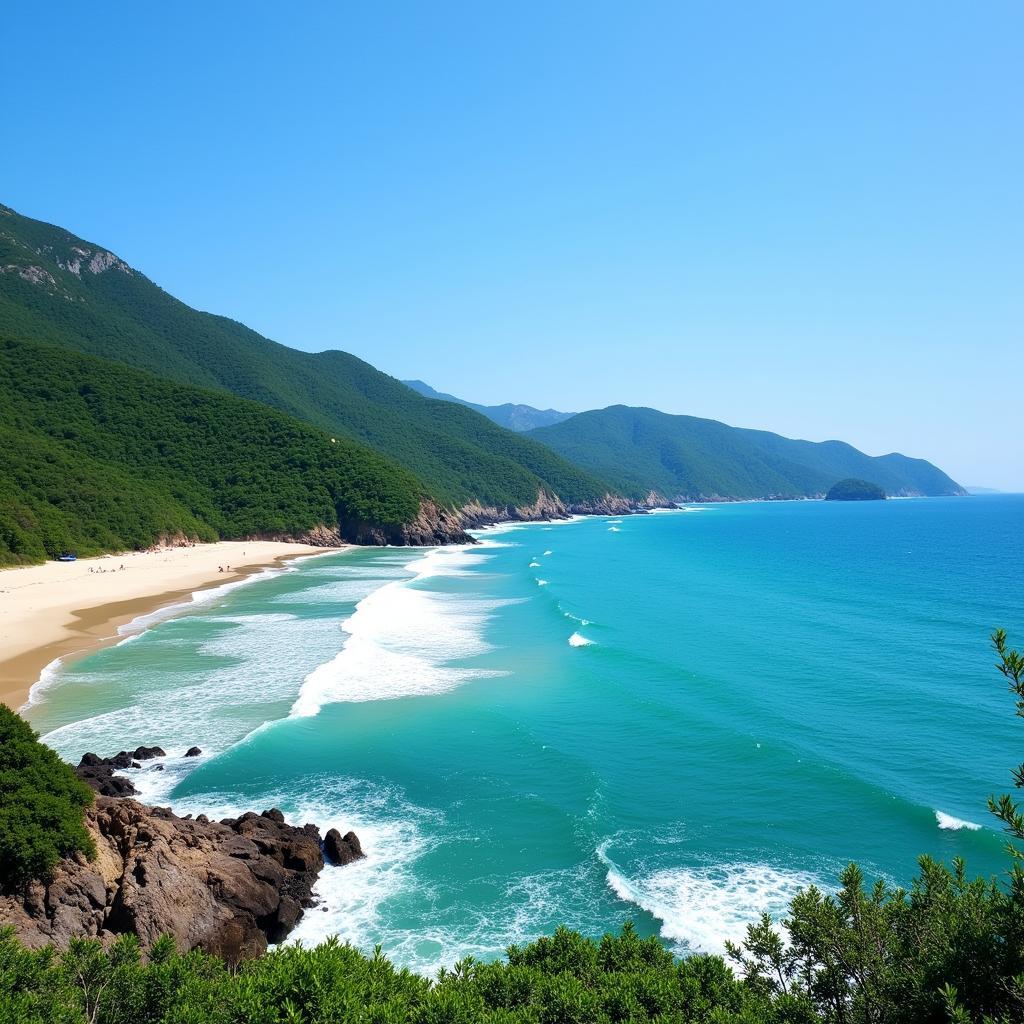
x,y
58,289
688,458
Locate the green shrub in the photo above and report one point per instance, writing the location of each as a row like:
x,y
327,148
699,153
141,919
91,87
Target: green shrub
x,y
42,805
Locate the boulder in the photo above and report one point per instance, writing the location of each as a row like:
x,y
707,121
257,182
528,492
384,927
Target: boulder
x,y
147,753
98,773
193,752
342,849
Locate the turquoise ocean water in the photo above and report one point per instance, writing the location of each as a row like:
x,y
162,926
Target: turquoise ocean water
x,y
677,719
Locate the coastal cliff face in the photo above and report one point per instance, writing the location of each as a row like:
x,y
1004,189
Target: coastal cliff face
x,y
552,507
227,887
436,525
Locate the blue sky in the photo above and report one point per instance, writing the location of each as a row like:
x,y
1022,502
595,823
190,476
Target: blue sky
x,y
806,217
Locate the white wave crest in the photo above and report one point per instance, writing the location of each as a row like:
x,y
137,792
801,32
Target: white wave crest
x,y
542,583
534,565
579,640
702,907
546,553
613,529
947,821
402,641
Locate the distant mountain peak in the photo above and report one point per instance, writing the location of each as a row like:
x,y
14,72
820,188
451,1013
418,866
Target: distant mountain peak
x,y
512,415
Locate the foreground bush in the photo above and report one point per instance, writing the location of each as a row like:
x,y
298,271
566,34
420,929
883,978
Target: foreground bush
x,y
562,979
42,803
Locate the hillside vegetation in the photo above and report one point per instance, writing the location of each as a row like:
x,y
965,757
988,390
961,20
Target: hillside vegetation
x,y
41,808
58,289
640,450
95,456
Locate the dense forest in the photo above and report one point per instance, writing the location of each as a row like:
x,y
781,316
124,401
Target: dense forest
x,y
640,450
57,289
99,457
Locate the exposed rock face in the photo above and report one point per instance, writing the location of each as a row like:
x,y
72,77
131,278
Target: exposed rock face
x,y
432,525
193,752
228,887
551,507
342,849
436,525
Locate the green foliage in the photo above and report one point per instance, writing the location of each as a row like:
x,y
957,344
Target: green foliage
x,y
682,456
852,489
119,314
1011,665
566,979
95,456
892,955
42,803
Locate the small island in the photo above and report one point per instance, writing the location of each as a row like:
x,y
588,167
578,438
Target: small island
x,y
852,489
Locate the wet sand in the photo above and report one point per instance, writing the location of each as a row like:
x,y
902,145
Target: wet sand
x,y
61,610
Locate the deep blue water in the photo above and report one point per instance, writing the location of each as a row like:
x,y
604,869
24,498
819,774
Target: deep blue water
x,y
676,719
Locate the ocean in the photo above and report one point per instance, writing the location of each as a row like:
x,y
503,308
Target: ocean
x,y
676,719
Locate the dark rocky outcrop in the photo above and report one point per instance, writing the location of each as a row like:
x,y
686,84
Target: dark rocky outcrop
x,y
342,849
228,887
193,752
147,753
98,773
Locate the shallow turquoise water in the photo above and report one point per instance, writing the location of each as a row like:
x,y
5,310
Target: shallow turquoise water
x,y
676,719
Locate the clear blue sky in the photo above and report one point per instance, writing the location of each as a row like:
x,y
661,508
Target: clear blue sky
x,y
800,216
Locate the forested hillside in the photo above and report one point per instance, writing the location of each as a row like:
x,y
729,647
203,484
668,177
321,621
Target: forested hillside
x,y
59,289
640,450
95,456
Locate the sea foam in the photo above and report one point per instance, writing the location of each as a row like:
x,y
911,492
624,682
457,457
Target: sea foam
x,y
702,907
579,640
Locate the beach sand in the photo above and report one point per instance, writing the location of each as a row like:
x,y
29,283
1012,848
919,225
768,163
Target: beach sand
x,y
61,609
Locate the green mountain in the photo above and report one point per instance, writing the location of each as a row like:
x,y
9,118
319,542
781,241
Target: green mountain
x,y
642,450
58,289
510,414
96,456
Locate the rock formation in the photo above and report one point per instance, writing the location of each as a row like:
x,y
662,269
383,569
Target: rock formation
x,y
228,887
342,849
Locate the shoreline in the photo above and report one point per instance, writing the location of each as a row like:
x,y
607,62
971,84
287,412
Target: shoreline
x,y
69,610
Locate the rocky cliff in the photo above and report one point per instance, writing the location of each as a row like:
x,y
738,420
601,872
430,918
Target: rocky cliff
x,y
552,507
229,887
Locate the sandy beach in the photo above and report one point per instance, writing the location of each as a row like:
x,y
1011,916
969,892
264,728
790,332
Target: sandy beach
x,y
62,609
